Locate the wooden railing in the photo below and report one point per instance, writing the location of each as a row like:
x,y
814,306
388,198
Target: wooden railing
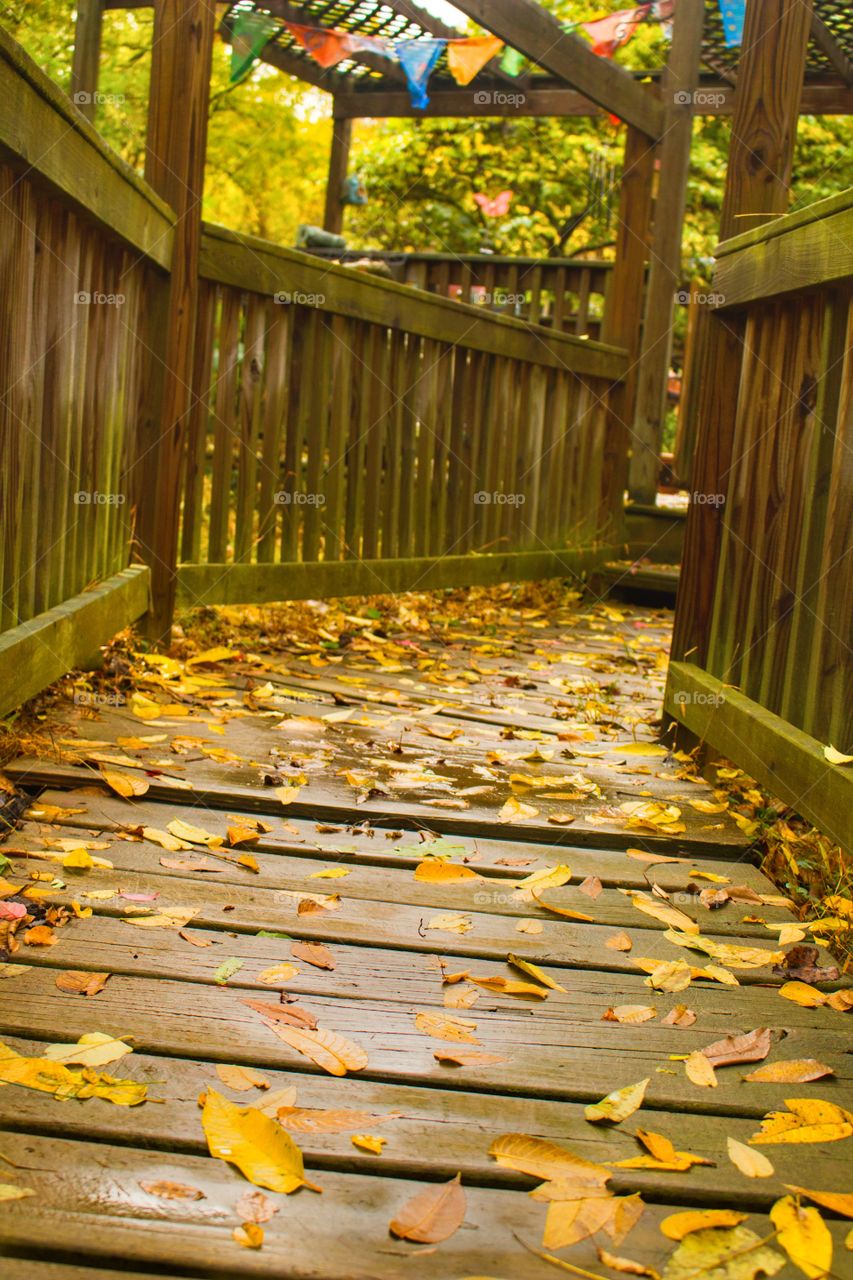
x,y
351,435
82,246
566,294
765,675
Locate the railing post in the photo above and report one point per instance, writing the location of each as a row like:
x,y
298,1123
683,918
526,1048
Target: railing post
x,y
88,30
623,316
174,165
679,88
767,104
338,164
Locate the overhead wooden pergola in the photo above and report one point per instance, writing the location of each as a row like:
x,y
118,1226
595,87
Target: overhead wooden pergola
x,y
563,77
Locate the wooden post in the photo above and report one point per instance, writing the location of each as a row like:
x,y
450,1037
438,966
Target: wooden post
x,y
333,219
174,165
679,87
87,55
623,316
767,103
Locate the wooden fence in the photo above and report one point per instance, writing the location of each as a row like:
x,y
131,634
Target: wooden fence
x,y
350,434
766,677
357,435
566,294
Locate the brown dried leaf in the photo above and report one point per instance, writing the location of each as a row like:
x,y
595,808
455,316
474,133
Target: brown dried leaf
x,y
752,1047
330,1051
619,942
431,1215
680,1016
459,1058
792,1071
78,983
166,1190
313,953
631,1013
254,1206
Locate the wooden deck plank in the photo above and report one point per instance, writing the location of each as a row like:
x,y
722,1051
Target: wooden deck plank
x,y
247,909
92,1206
430,1133
362,843
399,885
548,1058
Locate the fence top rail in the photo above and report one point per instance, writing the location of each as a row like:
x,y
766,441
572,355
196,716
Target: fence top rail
x,y
466,259
257,266
808,250
786,223
42,130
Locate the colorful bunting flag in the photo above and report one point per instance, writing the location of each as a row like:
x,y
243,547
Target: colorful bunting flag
x,y
609,33
734,16
328,48
466,58
512,62
250,34
418,58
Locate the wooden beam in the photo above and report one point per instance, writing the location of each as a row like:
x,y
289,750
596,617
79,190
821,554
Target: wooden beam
x,y
174,166
679,86
338,164
623,315
827,97
788,762
87,55
526,26
831,49
770,80
36,653
201,584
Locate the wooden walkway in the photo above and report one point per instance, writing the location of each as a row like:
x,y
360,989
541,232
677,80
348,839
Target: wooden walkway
x,y
404,787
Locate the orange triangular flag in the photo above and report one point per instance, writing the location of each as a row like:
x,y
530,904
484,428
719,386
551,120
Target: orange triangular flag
x,y
466,57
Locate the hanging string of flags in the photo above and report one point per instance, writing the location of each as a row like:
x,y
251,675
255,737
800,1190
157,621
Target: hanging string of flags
x,y
613,30
465,57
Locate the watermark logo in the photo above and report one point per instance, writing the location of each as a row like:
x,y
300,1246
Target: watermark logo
x,y
82,698
297,299
94,498
96,299
483,298
484,499
497,98
84,99
686,297
708,499
683,699
285,499
712,99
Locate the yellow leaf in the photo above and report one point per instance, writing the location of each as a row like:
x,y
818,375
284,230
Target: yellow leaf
x,y
437,871
804,1236
168,918
94,1049
806,1120
630,1013
8,1191
219,654
165,840
619,942
802,993
793,1071
330,873
534,972
259,1147
515,811
509,987
78,860
451,922
665,975
751,1163
735,957
617,1106
365,1142
678,1225
836,757
666,914
249,1235
195,835
560,911
286,795
330,1051
723,1253
832,1200
442,1027
648,749
546,1160
241,1078
278,974
700,1071
125,785
706,806
547,878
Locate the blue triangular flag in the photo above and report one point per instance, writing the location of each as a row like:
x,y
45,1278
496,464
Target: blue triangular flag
x,y
417,58
734,15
